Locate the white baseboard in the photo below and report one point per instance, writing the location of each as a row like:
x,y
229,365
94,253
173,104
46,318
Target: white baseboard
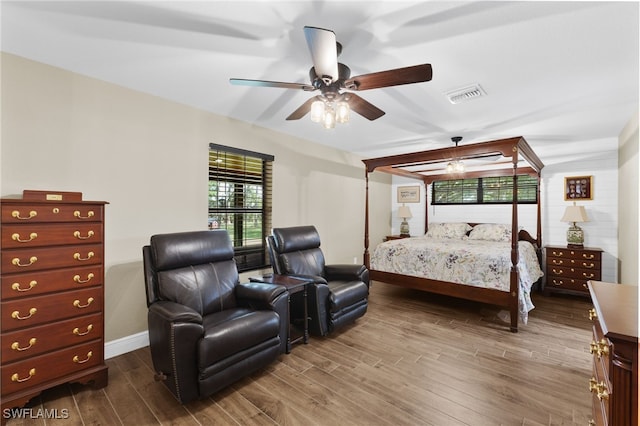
x,y
126,344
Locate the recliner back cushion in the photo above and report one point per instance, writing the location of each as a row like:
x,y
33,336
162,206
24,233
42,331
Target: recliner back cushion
x,y
196,269
298,249
303,262
205,288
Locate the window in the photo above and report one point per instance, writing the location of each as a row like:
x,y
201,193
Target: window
x,y
485,190
240,201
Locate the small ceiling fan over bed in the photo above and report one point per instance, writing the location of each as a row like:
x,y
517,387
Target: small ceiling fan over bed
x,y
334,81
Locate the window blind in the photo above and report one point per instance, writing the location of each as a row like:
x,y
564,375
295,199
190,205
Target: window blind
x,y
240,184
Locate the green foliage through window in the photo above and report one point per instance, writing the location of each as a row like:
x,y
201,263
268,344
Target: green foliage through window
x,y
485,190
240,201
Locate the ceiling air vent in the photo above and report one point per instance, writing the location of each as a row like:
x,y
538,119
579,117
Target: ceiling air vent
x,y
465,94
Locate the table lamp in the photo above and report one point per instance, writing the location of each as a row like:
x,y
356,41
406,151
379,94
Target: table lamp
x,y
405,214
575,235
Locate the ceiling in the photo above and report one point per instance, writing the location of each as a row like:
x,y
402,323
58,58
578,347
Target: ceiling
x,y
562,74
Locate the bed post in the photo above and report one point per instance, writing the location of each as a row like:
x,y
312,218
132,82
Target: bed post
x,y
539,228
366,219
426,206
513,284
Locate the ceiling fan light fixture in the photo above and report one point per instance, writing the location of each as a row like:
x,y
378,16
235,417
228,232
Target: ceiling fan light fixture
x,y
342,112
329,118
317,111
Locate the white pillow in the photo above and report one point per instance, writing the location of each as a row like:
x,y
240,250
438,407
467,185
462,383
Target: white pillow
x,y
454,230
491,232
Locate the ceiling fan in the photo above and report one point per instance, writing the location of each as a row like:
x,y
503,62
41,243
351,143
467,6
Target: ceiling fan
x,y
332,78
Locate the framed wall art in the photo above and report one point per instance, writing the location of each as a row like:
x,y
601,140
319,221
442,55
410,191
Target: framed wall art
x,y
578,188
408,194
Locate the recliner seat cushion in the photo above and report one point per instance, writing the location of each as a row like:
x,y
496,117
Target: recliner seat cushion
x,y
226,333
346,293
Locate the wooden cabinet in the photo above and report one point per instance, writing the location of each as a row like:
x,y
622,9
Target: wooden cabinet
x,y
569,269
51,294
614,345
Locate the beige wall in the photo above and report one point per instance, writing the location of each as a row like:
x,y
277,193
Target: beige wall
x,y
628,202
148,158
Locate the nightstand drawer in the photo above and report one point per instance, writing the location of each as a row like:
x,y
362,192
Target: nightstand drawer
x,y
582,274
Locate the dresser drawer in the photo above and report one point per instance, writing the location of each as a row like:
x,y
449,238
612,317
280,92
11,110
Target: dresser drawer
x,y
583,274
40,234
51,212
567,283
573,263
26,260
23,375
34,341
37,283
570,253
28,312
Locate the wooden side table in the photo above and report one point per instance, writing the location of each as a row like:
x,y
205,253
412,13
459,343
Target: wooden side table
x,y
568,269
293,286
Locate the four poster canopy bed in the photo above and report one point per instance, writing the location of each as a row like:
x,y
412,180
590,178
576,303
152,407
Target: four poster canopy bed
x,y
489,263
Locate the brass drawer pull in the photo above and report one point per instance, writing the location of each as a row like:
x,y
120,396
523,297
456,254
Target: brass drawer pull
x,y
16,214
560,272
557,282
592,314
16,237
80,237
588,256
16,346
558,253
77,360
557,262
77,279
77,304
16,314
16,378
77,331
78,256
589,265
16,286
588,276
77,214
16,261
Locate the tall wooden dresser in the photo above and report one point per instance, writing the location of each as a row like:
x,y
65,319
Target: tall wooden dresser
x,y
52,295
614,345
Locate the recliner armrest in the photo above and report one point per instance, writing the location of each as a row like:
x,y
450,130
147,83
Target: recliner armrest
x,y
347,272
175,312
259,292
316,279
266,296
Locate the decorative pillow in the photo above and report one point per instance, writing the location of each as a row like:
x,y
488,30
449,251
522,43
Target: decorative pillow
x,y
457,230
491,232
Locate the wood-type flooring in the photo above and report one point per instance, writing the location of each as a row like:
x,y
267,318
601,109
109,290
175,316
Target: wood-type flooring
x,y
413,359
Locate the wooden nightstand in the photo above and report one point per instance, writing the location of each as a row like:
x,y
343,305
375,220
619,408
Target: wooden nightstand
x,y
569,269
394,237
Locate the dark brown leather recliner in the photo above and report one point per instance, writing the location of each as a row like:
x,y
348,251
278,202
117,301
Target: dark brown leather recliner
x,y
339,294
206,330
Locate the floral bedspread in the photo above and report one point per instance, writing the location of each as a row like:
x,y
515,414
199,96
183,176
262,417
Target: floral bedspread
x,y
477,263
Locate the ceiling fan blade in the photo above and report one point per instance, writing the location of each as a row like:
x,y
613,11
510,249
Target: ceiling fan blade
x,y
396,77
302,110
364,108
324,52
266,83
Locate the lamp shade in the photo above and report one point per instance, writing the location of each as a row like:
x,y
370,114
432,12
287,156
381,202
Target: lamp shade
x,y
575,214
404,212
